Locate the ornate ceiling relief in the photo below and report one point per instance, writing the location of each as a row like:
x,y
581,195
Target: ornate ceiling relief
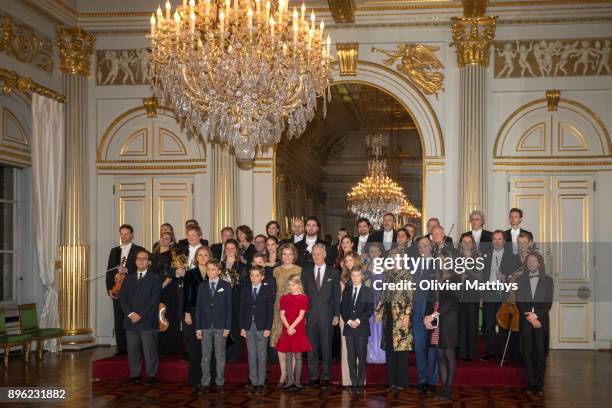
x,y
419,63
473,36
545,58
23,43
122,67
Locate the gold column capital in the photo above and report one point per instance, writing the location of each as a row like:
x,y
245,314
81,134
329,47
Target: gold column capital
x,y
472,36
342,11
76,46
552,99
347,58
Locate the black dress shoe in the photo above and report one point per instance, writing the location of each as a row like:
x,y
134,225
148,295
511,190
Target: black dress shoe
x,y
431,388
196,389
150,381
298,387
204,389
220,389
313,383
120,353
132,380
422,387
488,357
325,383
289,387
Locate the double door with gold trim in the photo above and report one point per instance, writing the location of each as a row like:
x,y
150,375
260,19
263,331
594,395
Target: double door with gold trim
x,y
558,209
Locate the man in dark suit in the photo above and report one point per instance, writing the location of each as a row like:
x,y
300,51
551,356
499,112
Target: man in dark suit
x,y
122,259
499,264
213,322
217,249
534,300
322,286
386,236
439,241
515,218
297,229
139,300
431,224
479,234
185,241
360,241
356,308
256,316
304,247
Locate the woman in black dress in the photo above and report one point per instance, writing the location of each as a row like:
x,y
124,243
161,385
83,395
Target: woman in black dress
x,y
234,272
272,257
469,305
193,278
245,244
442,323
169,342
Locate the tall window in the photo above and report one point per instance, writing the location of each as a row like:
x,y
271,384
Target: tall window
x,y
8,212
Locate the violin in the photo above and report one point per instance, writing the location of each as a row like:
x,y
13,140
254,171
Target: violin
x,y
163,322
119,278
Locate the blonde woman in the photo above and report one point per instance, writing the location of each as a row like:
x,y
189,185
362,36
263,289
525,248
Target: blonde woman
x,y
281,273
350,260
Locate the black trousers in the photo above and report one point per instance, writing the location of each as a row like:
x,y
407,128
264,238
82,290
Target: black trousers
x,y
489,317
534,348
120,337
468,329
194,348
356,354
397,361
319,335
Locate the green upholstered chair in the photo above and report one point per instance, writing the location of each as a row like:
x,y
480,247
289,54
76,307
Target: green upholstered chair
x,y
28,320
12,340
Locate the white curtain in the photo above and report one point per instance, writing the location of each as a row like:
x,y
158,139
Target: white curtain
x,y
48,177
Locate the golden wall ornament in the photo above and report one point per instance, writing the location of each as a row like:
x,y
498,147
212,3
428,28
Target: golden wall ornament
x,y
23,43
552,58
552,99
473,37
419,63
9,81
150,105
342,11
347,58
76,47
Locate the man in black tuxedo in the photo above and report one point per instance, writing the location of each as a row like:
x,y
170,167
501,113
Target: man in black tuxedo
x,y
217,249
256,316
387,236
431,224
515,218
534,300
139,300
439,241
360,241
479,234
213,322
322,286
122,259
499,264
356,308
304,247
185,241
297,229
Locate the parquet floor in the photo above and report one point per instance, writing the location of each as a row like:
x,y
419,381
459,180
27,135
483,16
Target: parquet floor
x,y
574,379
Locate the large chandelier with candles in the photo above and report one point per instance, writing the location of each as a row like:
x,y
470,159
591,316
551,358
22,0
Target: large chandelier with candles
x,y
377,194
240,73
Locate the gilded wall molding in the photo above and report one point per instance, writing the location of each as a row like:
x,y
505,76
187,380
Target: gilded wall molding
x,y
552,99
419,63
342,11
25,44
10,81
348,53
552,58
473,37
75,47
150,105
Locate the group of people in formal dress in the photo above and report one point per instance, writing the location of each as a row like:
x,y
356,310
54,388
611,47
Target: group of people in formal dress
x,y
286,297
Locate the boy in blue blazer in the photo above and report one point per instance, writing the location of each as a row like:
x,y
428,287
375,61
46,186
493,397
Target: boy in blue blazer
x,y
213,322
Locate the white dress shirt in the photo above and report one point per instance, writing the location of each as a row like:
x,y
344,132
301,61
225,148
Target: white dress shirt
x,y
358,288
297,238
476,236
496,258
125,250
363,239
515,233
387,239
310,243
192,252
141,274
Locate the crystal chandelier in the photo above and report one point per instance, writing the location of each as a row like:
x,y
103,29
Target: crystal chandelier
x,y
377,194
409,210
241,73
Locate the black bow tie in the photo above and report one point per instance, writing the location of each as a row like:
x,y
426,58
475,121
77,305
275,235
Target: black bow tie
x,y
533,276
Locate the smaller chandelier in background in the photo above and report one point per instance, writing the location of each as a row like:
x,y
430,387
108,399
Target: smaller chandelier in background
x,y
241,73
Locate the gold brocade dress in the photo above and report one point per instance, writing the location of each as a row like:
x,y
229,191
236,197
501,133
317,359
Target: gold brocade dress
x,y
281,275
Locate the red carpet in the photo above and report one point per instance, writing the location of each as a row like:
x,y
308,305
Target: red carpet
x,y
171,368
